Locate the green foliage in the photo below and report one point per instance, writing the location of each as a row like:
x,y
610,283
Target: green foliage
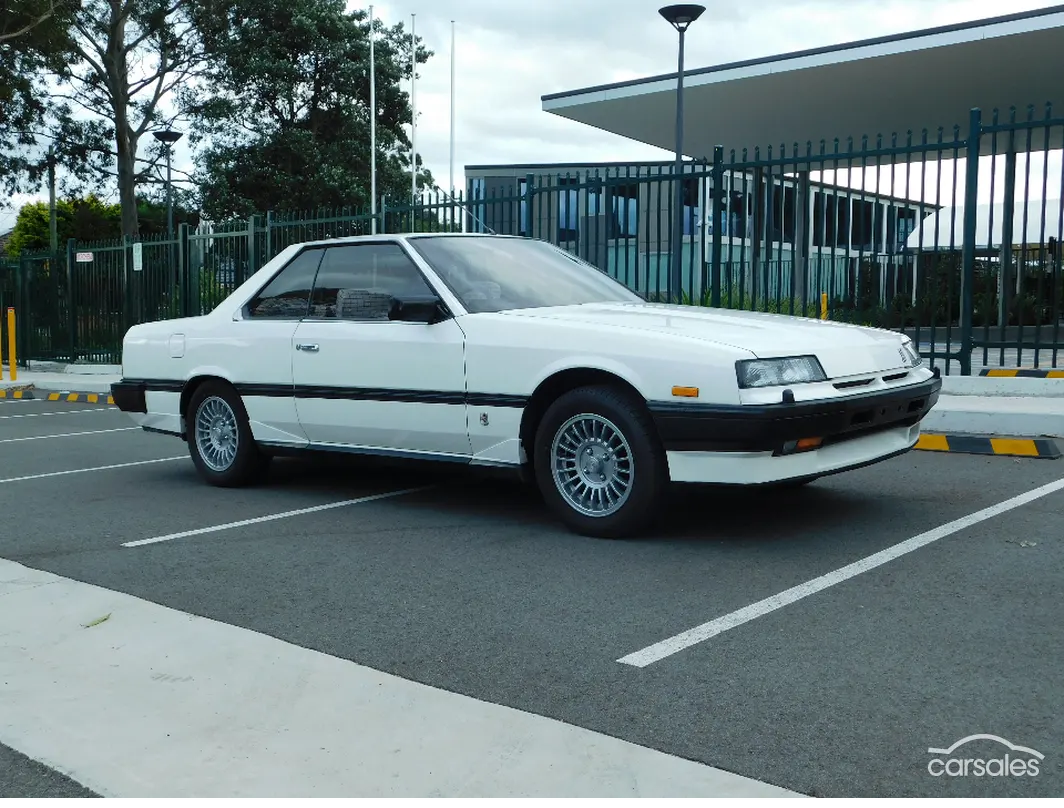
x,y
34,42
115,76
288,114
88,220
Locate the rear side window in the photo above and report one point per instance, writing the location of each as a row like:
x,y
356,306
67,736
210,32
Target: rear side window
x,y
287,296
358,282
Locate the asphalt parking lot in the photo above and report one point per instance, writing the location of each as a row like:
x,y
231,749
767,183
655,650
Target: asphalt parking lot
x,y
464,582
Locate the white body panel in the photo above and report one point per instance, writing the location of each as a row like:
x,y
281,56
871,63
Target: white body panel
x,y
392,356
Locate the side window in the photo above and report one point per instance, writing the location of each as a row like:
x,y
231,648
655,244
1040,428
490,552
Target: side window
x,y
287,296
358,282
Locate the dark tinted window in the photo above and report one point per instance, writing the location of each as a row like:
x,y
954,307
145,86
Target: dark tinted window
x,y
358,282
494,274
288,294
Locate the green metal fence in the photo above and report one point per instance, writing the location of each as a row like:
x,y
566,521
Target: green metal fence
x,y
901,232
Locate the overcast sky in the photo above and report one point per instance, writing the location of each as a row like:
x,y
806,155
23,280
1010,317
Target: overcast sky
x,y
511,52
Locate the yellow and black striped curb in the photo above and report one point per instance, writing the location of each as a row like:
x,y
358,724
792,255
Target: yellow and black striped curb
x,y
17,392
83,398
27,393
986,445
1022,373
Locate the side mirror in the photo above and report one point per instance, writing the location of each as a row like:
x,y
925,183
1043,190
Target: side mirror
x,y
419,309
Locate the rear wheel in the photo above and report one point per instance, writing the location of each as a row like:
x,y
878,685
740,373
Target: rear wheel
x,y
219,437
599,464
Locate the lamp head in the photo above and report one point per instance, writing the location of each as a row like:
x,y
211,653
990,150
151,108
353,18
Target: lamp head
x,y
681,16
167,136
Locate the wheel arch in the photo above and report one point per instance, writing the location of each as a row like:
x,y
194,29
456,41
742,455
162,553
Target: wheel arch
x,y
558,384
189,389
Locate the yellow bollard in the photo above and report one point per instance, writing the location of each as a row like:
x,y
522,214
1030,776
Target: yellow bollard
x,y
11,343
823,306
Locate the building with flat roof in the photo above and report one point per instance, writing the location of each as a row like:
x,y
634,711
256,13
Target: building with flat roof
x,y
773,130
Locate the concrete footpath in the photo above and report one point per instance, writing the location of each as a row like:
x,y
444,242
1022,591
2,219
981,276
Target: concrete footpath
x,y
969,405
133,699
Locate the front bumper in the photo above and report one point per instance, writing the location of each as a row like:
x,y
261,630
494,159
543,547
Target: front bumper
x,y
129,396
768,428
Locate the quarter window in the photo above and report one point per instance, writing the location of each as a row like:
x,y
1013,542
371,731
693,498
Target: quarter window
x,y
287,296
358,282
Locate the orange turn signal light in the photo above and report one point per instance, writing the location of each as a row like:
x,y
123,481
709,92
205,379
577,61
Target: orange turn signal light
x,y
685,392
805,444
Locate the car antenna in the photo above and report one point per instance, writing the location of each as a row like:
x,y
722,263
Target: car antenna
x,y
476,218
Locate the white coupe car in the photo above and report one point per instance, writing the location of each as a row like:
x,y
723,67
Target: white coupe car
x,y
505,351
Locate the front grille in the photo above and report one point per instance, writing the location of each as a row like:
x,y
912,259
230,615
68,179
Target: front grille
x,y
854,383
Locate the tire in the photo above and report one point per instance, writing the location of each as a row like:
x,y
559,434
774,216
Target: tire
x,y
222,468
638,463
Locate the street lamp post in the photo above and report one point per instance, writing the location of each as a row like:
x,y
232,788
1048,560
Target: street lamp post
x,y
679,17
169,137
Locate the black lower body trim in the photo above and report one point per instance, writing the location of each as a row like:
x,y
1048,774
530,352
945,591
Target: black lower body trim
x,y
766,428
129,396
157,431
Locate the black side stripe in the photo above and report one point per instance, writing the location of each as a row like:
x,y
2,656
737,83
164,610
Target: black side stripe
x,y
352,393
158,385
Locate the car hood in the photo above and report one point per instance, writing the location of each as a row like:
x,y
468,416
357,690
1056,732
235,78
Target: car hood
x,y
843,349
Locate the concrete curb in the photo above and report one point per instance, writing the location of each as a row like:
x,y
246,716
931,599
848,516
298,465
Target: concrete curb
x,y
1013,386
984,445
72,369
1025,417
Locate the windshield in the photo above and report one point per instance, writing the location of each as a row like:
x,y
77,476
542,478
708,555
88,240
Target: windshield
x,y
490,273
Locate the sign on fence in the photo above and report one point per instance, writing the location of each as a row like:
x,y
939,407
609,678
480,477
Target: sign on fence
x,y
138,257
83,257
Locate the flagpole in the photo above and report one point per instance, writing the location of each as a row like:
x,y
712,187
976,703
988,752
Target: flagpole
x,y
372,130
452,108
413,113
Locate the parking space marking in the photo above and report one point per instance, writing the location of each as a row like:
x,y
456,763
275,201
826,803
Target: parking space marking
x,y
672,645
272,517
93,468
70,434
61,412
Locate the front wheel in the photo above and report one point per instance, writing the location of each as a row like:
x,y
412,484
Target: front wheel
x,y
219,437
599,464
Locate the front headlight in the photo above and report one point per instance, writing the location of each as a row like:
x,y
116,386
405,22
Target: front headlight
x,y
775,372
910,355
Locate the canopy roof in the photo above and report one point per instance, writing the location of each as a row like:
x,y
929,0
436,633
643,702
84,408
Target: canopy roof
x,y
915,81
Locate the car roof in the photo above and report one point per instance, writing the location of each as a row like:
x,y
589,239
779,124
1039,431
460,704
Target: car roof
x,y
397,237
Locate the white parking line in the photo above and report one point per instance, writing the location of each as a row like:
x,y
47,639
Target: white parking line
x,y
667,647
61,412
272,517
70,434
94,468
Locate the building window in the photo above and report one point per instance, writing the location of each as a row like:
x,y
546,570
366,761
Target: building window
x,y
624,210
568,209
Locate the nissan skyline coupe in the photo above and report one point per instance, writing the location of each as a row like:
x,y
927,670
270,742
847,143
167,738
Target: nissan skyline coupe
x,y
510,352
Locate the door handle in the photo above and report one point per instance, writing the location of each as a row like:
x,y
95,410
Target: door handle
x,y
311,347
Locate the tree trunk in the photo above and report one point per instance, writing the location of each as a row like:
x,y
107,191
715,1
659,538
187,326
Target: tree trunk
x,y
125,138
127,190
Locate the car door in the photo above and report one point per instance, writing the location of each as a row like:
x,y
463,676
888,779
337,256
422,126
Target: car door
x,y
261,347
364,380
